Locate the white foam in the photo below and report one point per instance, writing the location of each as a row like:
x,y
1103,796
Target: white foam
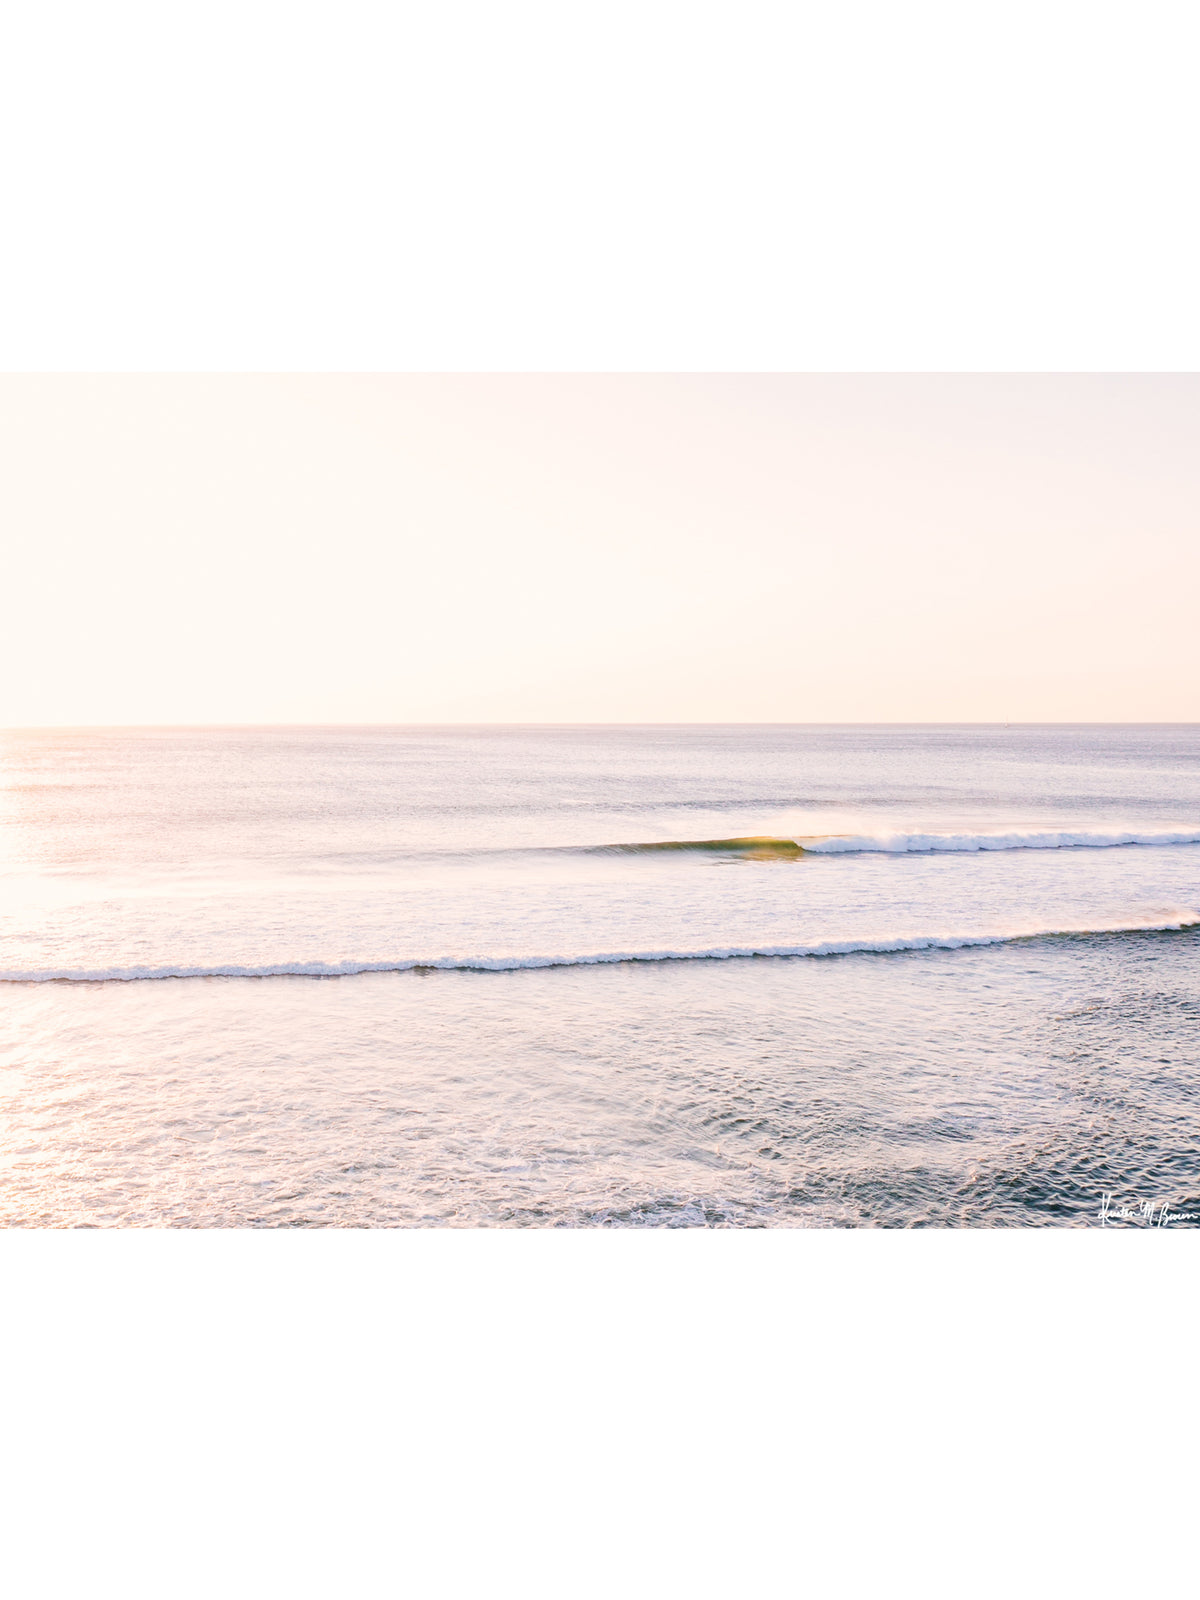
x,y
1174,923
904,843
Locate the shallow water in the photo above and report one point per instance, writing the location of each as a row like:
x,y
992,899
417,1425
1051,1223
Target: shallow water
x,y
989,1048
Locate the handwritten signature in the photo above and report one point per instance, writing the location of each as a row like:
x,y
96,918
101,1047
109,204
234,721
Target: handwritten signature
x,y
1156,1213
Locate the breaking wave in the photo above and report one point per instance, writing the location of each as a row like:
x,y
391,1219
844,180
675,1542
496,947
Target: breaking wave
x,y
1177,922
924,843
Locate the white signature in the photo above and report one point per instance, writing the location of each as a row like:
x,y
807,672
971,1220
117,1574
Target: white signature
x,y
1156,1213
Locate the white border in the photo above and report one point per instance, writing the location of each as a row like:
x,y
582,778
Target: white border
x,y
589,1414
646,185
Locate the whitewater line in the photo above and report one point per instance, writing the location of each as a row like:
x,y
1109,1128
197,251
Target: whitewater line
x,y
1182,921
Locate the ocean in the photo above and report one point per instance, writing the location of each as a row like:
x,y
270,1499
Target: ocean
x,y
682,976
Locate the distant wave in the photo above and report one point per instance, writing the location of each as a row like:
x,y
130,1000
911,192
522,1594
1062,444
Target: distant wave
x,y
767,846
1179,921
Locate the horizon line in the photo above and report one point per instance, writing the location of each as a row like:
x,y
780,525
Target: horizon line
x,y
112,727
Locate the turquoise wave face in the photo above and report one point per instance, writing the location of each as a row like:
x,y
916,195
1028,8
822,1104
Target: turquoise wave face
x,y
760,848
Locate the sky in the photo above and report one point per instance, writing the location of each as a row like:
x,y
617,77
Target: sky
x,y
606,548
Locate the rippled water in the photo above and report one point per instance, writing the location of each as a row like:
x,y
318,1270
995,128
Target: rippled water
x,y
1008,1034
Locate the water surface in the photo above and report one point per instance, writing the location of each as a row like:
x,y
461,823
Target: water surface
x,y
598,976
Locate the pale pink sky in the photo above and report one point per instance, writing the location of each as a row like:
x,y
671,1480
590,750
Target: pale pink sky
x,y
610,548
